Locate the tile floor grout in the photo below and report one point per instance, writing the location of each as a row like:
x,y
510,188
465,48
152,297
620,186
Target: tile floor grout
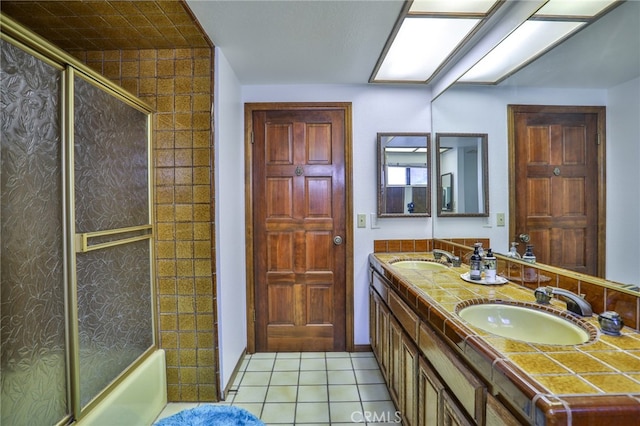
x,y
290,389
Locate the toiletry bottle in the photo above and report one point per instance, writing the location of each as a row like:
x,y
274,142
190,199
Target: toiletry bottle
x,y
481,254
490,267
529,273
474,262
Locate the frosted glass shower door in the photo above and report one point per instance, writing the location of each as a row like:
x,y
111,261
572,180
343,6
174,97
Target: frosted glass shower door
x,y
113,235
32,308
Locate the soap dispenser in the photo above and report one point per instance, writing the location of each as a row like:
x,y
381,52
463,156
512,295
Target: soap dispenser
x,y
481,253
475,262
490,267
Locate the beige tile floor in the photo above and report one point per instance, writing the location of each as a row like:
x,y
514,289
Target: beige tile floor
x,y
309,388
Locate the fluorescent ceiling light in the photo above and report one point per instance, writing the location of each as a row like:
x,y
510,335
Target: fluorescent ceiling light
x,y
432,30
451,7
527,42
407,150
574,8
420,47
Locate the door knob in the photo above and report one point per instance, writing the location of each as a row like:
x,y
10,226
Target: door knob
x,y
337,240
524,238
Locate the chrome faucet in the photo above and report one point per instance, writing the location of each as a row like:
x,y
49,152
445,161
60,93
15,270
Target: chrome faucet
x,y
451,258
575,303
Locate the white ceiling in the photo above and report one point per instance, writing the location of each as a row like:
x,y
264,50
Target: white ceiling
x,y
339,42
292,42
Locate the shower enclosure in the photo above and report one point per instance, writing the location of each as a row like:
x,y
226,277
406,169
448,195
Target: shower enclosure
x,y
76,234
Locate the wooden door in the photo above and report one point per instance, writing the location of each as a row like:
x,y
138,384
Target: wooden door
x,y
557,174
299,229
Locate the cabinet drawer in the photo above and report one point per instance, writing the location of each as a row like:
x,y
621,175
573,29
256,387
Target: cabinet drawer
x,y
462,383
405,316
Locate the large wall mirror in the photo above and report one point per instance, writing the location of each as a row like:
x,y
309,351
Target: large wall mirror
x,y
461,166
403,175
598,66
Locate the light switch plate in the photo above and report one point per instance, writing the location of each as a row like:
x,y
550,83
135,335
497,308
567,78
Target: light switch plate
x,y
500,219
362,221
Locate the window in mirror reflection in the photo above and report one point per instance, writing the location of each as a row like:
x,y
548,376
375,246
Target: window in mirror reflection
x,y
461,165
403,174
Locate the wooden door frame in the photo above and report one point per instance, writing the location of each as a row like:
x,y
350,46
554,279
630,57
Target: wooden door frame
x,y
600,112
249,109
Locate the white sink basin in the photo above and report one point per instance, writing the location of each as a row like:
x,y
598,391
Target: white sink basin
x,y
523,323
422,265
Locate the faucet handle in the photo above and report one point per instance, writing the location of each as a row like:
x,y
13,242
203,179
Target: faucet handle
x,y
543,295
610,322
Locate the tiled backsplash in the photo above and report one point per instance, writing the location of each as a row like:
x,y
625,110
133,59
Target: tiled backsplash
x,y
395,246
603,295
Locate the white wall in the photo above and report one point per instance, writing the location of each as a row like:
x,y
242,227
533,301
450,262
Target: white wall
x,y
229,218
623,182
407,109
484,110
375,109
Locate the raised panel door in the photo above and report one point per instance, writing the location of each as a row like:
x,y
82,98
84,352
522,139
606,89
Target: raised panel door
x,y
299,208
557,166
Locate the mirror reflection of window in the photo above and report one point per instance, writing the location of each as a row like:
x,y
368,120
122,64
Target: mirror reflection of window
x,y
396,176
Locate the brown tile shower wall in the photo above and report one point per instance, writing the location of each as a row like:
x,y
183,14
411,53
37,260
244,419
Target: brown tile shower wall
x,y
177,83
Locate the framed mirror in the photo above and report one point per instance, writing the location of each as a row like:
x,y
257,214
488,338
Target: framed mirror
x,y
463,184
404,188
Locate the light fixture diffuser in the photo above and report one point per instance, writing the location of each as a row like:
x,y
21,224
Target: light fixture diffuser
x,y
531,39
574,8
420,46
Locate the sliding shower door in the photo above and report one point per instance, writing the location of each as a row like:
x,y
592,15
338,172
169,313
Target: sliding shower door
x,y
76,236
113,225
32,247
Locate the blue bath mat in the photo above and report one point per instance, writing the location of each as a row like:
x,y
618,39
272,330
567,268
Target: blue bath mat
x,y
209,415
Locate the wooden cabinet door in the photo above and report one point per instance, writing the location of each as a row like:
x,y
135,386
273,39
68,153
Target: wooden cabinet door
x,y
395,361
384,335
452,414
374,329
429,412
498,414
409,389
299,212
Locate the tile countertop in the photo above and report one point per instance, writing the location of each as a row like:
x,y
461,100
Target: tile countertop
x,y
537,378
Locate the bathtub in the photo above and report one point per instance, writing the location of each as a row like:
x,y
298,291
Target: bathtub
x,y
137,400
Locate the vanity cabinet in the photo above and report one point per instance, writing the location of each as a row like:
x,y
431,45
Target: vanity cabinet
x,y
397,355
427,380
